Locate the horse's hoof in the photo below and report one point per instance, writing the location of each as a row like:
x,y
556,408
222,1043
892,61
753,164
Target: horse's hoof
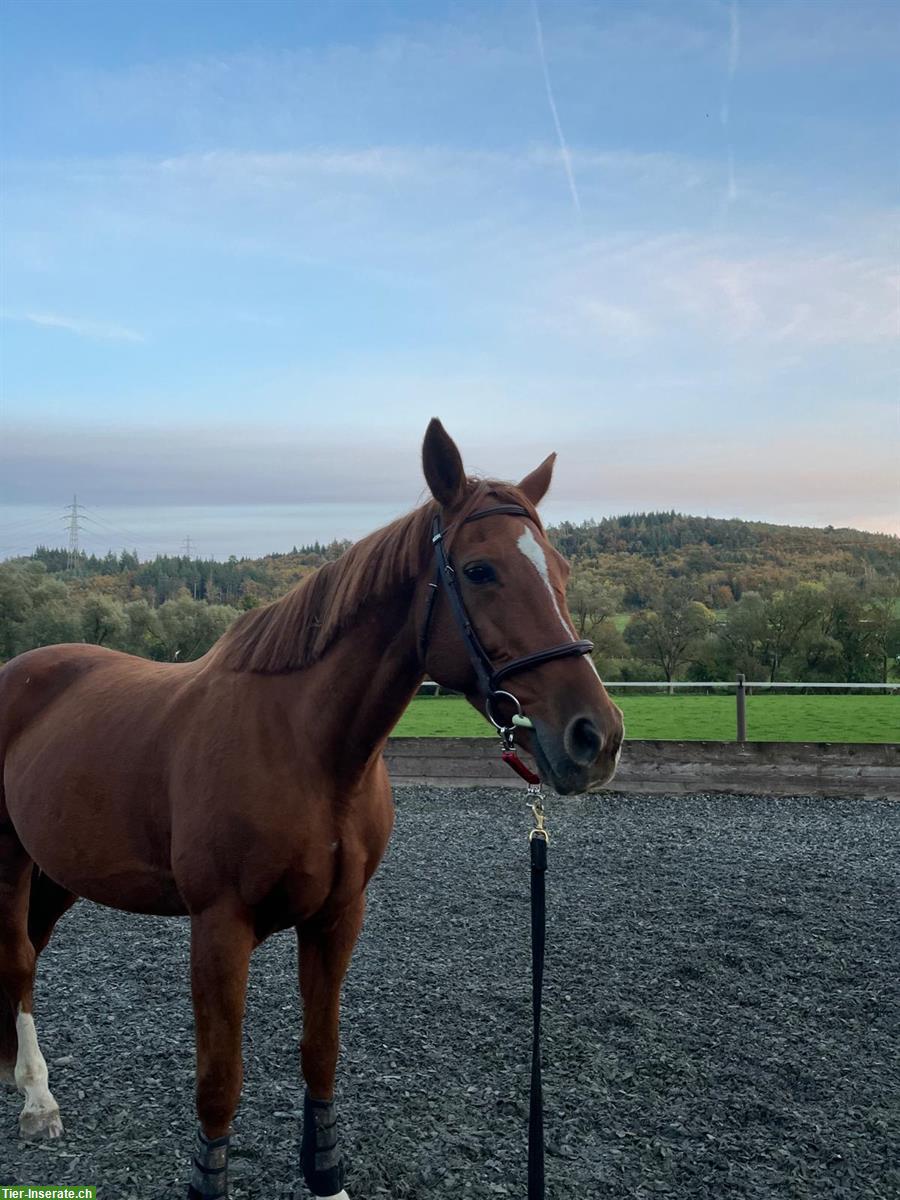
x,y
35,1124
8,1075
341,1195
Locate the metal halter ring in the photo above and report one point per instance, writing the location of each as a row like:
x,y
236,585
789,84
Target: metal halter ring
x,y
489,711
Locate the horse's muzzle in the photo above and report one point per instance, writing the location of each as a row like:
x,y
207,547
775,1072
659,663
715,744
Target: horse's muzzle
x,y
580,758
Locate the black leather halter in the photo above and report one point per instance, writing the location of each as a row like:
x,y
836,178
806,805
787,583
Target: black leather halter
x,y
489,676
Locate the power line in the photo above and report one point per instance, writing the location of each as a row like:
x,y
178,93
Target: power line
x,y
38,521
104,524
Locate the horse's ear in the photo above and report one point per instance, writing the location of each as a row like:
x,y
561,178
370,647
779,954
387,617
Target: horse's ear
x,y
536,485
443,466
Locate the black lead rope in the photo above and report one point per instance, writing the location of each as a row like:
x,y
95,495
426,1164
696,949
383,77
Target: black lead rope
x,y
538,924
489,677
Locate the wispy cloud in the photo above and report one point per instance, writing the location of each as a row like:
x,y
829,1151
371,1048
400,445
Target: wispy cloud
x,y
801,476
255,168
96,330
759,292
563,147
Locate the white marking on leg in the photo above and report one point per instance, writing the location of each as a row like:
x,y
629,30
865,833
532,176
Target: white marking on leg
x,y
340,1196
40,1115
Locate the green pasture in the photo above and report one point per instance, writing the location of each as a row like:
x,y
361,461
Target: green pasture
x,y
772,718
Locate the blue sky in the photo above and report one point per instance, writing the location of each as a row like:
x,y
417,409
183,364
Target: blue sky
x,y
250,248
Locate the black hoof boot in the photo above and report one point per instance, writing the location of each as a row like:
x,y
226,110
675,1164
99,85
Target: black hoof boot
x,y
209,1177
320,1156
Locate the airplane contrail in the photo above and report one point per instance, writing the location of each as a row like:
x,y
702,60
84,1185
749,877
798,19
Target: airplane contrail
x,y
734,53
564,149
734,44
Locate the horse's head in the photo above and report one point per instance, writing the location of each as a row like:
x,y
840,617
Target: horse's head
x,y
510,583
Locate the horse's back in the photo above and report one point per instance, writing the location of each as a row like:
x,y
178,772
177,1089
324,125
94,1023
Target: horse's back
x,y
31,682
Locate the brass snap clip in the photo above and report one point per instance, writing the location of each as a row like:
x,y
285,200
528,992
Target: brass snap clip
x,y
538,809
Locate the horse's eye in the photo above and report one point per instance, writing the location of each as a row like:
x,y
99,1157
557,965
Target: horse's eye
x,y
479,573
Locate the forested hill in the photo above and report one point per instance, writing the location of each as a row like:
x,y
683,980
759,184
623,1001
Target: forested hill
x,y
659,594
672,535
722,558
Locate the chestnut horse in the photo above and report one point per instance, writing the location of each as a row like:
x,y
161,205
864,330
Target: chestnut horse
x,y
247,790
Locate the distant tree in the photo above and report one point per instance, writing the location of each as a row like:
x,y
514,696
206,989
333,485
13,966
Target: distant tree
x,y
843,619
740,638
816,657
54,559
103,620
593,604
641,583
671,633
54,621
141,635
881,616
35,608
188,627
761,631
591,598
15,607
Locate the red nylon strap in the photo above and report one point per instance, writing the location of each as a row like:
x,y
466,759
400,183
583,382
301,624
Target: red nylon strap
x,y
512,760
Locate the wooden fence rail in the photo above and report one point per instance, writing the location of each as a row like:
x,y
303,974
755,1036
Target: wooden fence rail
x,y
676,768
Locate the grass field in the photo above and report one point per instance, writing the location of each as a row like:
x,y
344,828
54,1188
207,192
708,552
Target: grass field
x,y
868,718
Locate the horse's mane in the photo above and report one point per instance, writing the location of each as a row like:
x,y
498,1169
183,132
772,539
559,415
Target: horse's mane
x,y
296,630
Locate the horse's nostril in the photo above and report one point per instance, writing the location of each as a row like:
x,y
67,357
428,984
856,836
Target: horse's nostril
x,y
583,741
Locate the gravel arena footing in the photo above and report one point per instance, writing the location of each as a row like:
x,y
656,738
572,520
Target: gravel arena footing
x,y
722,1014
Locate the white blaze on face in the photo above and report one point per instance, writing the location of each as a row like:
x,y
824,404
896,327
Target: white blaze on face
x,y
41,1112
530,547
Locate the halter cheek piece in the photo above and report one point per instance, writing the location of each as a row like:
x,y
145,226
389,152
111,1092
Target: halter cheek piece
x,y
489,677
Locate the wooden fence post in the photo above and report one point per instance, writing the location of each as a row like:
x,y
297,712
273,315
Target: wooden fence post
x,y
741,695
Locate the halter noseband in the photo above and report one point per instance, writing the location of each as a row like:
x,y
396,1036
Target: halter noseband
x,y
488,676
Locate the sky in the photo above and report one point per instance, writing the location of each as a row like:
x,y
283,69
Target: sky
x,y
250,248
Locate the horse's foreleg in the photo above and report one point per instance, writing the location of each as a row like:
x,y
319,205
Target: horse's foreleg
x,y
221,943
9,1043
47,904
324,954
40,1114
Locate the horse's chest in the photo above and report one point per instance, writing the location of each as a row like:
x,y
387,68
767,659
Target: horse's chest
x,y
332,876
313,886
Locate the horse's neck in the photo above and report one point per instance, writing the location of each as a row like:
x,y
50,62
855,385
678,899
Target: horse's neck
x,y
363,684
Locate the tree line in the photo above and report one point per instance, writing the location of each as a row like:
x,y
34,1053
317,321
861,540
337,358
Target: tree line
x,y
841,630
663,596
